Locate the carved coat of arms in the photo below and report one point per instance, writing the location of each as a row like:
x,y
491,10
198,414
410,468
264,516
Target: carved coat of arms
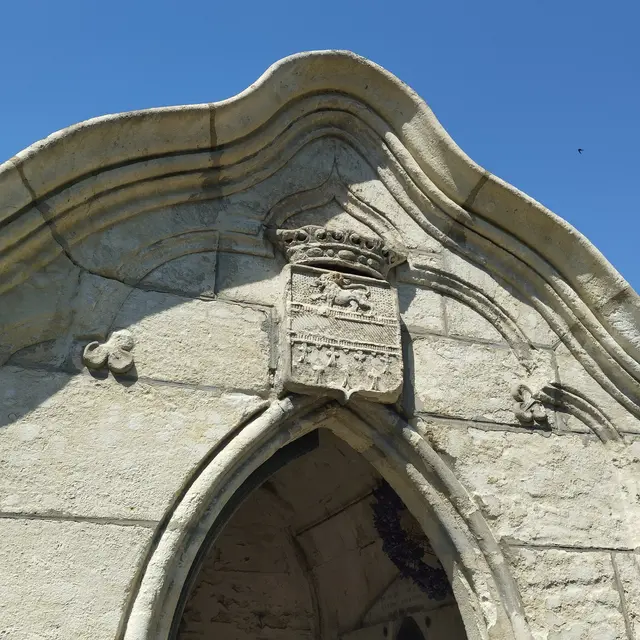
x,y
341,329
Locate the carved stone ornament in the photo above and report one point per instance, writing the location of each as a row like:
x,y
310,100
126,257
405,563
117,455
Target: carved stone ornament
x,y
529,410
115,353
341,331
338,249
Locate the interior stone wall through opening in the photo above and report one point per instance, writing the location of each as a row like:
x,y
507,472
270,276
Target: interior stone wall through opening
x,y
322,549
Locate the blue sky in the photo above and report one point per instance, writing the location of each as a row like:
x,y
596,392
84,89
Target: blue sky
x,y
519,85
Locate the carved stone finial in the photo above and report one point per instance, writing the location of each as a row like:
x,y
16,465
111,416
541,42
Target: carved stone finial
x,y
115,353
317,246
529,410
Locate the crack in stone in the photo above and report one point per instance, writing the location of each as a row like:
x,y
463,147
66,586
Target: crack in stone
x,y
64,517
516,544
623,599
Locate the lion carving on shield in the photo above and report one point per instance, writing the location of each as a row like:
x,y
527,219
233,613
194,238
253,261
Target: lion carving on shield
x,y
338,290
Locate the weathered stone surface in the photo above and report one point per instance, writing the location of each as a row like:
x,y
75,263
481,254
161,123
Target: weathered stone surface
x,y
64,580
530,322
193,275
72,151
365,183
533,488
463,321
421,309
308,168
88,316
572,373
114,354
26,245
15,193
211,343
569,595
94,447
156,202
461,379
96,305
40,309
137,245
249,279
627,566
340,335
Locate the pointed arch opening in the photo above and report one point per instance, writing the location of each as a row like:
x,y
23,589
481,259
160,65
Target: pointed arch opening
x,y
323,547
405,481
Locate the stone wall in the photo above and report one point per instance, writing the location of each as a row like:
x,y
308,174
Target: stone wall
x,y
91,461
519,376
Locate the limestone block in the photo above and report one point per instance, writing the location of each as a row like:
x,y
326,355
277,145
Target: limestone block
x,y
249,279
249,605
40,309
560,244
563,490
461,379
569,595
572,373
72,152
627,461
96,305
421,309
95,447
627,566
463,321
366,185
412,271
64,580
622,312
192,275
211,343
307,169
258,549
26,245
89,316
15,194
528,319
133,248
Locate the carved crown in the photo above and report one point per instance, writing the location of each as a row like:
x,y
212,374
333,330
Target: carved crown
x,y
313,245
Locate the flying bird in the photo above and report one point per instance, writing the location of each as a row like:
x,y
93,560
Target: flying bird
x,y
580,151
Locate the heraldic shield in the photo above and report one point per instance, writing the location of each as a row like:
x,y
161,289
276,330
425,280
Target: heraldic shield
x,y
341,335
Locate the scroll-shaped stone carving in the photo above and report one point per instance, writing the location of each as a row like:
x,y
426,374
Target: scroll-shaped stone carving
x,y
529,410
341,331
115,353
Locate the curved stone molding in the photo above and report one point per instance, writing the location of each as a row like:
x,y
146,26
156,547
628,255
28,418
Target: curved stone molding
x,y
334,189
135,265
454,287
566,398
96,175
115,353
474,562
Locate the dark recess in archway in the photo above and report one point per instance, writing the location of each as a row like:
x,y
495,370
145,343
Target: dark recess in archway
x,y
317,545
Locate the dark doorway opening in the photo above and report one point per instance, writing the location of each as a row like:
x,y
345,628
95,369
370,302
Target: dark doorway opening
x,y
320,547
